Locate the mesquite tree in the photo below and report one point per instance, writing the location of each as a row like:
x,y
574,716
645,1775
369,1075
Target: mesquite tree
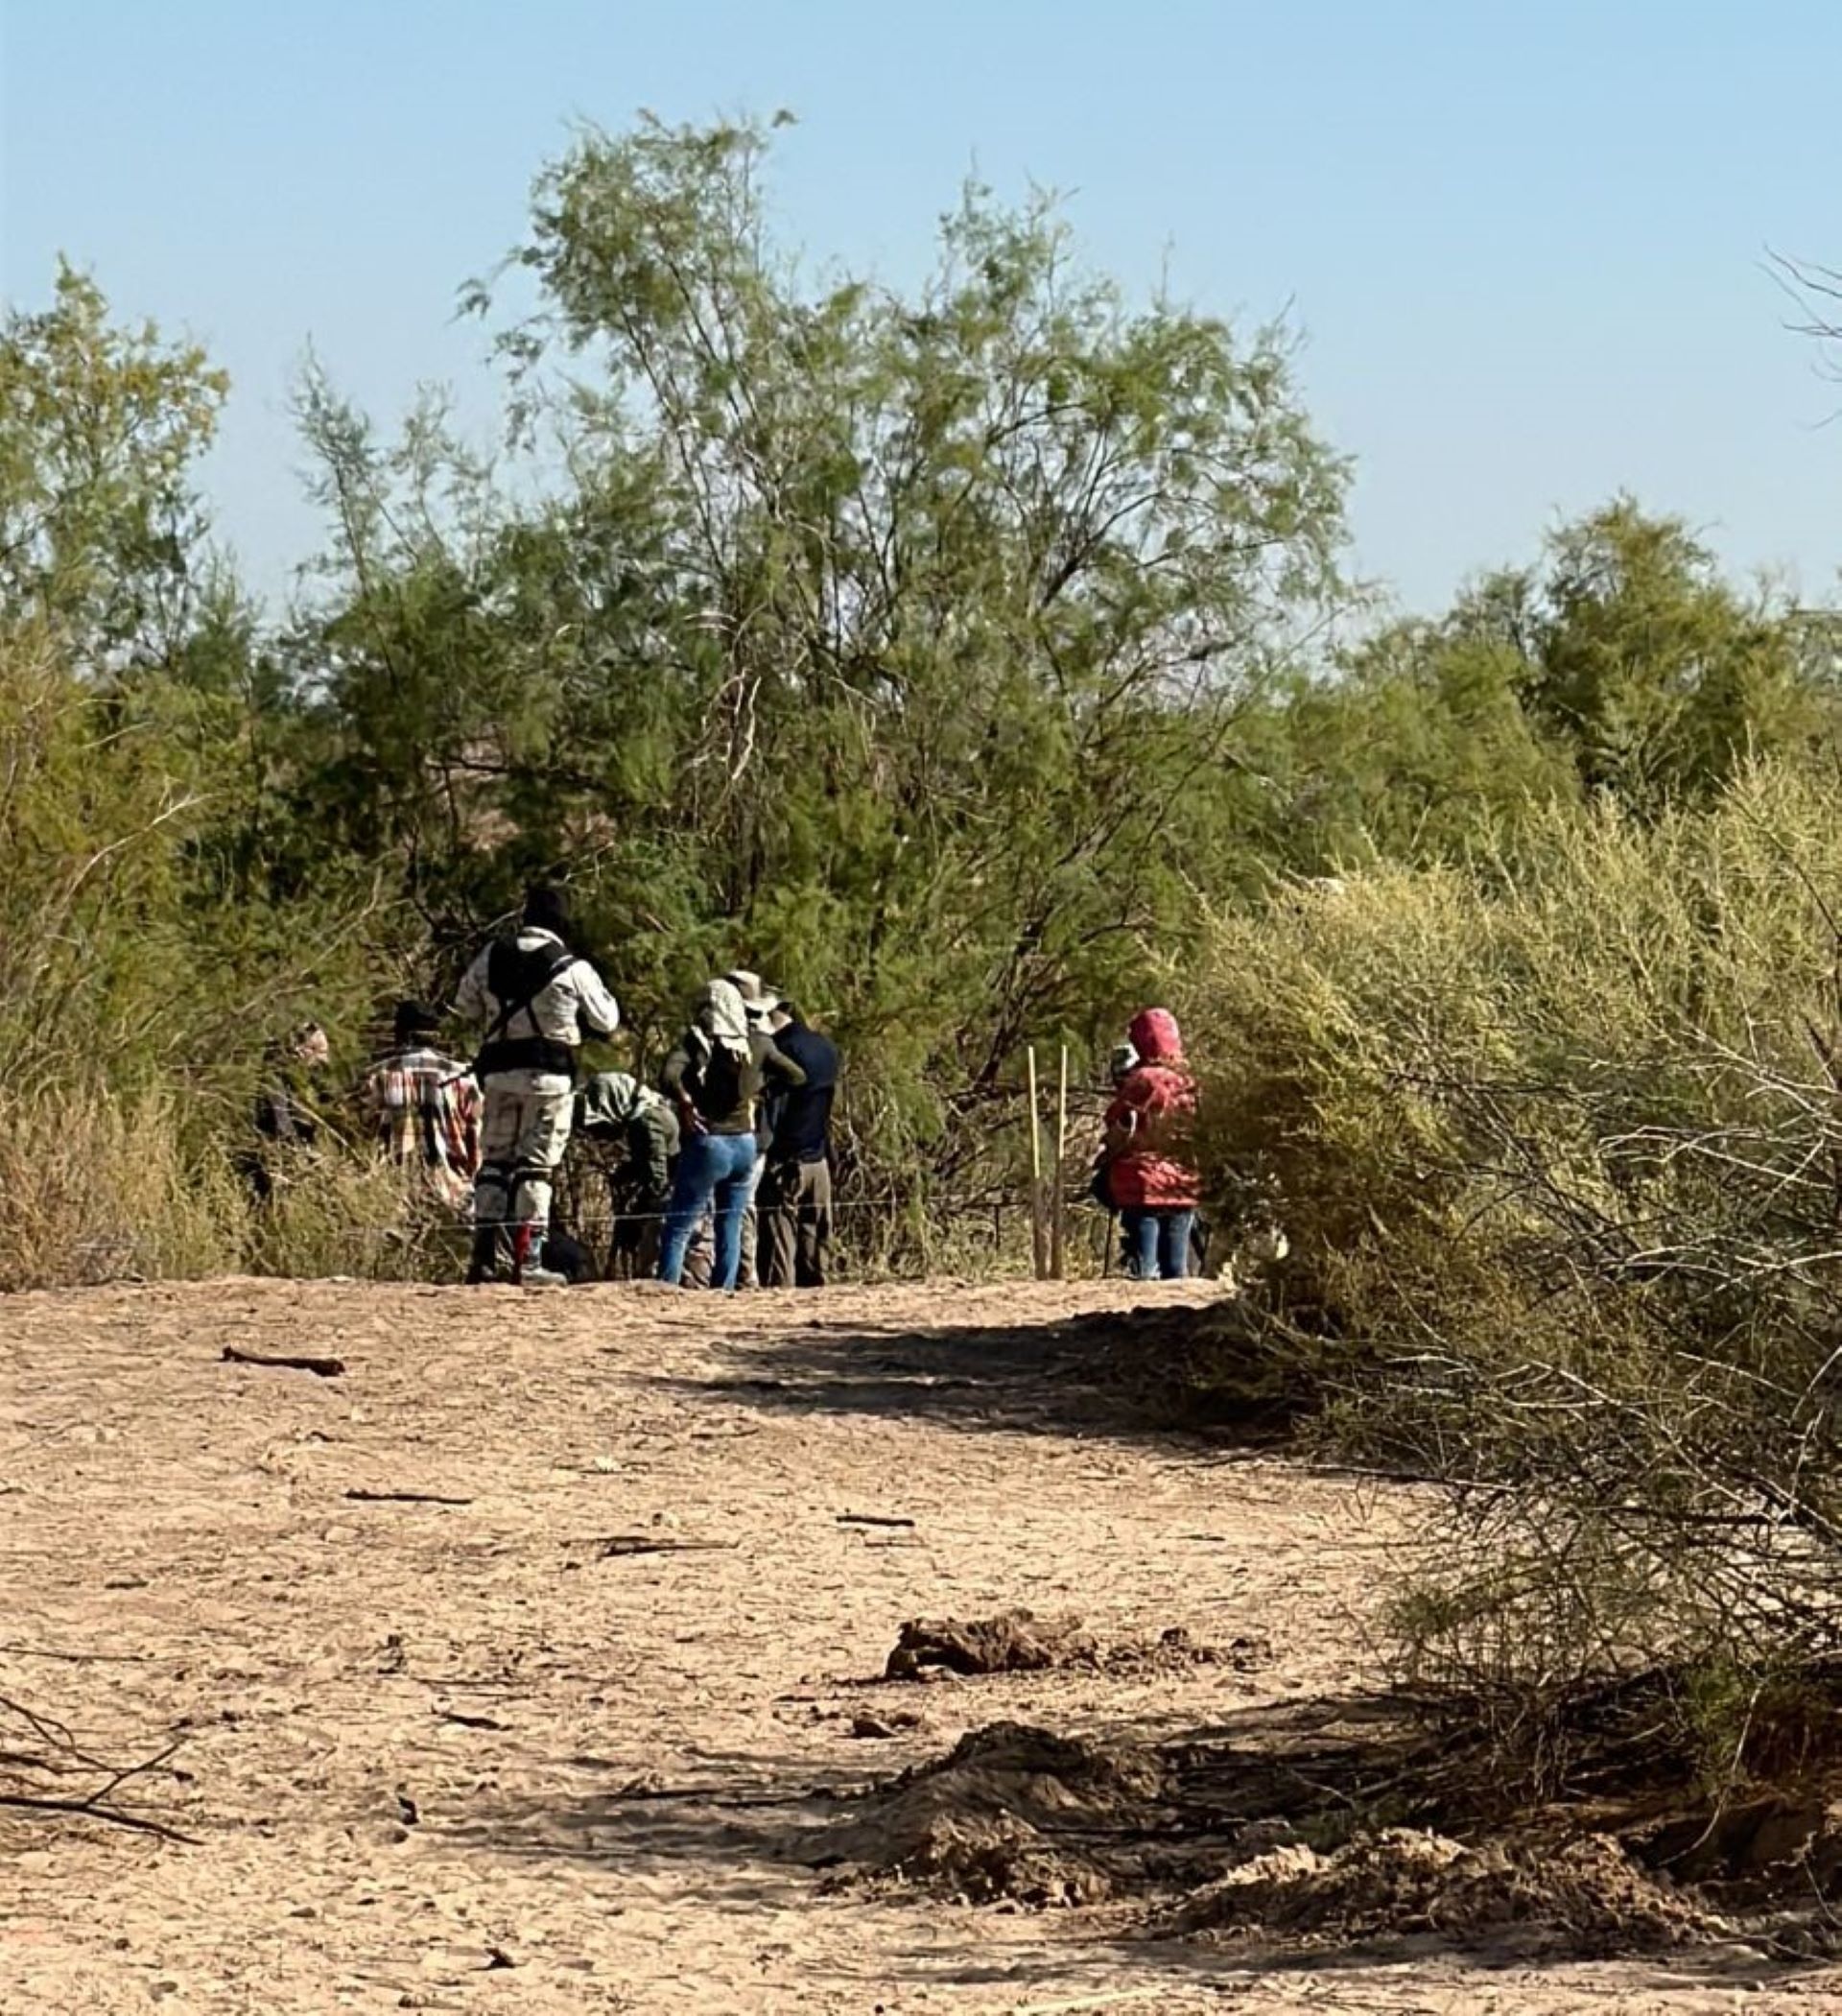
x,y
896,640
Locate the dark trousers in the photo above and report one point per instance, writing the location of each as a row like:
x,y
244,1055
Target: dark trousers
x,y
634,1235
795,1212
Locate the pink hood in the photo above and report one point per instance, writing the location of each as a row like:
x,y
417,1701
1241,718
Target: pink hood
x,y
1155,1036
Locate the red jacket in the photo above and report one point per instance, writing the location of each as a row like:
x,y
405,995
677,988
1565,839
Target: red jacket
x,y
1147,1125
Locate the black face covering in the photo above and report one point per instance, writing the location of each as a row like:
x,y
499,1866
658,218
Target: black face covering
x,y
547,910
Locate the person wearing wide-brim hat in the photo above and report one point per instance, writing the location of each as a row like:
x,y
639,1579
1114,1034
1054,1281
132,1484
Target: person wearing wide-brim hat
x,y
758,998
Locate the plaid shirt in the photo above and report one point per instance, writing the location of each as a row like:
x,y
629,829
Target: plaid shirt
x,y
424,1109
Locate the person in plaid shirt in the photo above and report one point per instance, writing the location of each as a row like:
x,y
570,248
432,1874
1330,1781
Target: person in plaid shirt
x,y
423,1108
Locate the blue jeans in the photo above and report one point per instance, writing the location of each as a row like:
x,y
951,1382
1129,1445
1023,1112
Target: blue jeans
x,y
1158,1242
711,1167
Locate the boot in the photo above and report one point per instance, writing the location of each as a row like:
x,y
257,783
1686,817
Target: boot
x,y
523,1239
484,1263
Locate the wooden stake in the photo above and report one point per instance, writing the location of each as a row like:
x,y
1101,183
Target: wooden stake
x,y
1039,1258
362,1496
1058,1198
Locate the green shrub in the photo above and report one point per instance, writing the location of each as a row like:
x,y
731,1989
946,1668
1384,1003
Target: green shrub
x,y
1557,1146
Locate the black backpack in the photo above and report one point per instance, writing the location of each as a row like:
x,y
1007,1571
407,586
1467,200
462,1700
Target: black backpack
x,y
717,1083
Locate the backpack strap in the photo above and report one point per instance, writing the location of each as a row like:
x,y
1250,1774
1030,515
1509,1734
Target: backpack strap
x,y
533,1052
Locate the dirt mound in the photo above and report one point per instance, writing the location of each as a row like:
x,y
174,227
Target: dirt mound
x,y
1174,1651
1589,1895
1015,1812
1018,1641
1011,1811
1014,1642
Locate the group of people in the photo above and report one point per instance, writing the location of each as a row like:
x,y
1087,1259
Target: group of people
x,y
718,1175
722,1176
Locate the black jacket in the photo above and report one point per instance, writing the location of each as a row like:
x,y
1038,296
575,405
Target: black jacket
x,y
800,1119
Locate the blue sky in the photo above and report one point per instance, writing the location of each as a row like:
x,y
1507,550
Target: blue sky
x,y
1524,243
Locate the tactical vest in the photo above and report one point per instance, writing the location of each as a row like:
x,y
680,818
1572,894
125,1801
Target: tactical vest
x,y
516,978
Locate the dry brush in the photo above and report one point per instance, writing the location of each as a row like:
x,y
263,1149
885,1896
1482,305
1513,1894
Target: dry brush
x,y
1558,1144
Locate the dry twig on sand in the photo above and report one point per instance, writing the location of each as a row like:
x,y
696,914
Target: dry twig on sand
x,y
60,1757
614,1546
319,1368
361,1496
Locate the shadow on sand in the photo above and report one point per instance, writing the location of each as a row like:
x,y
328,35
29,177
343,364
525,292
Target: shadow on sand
x,y
1128,1373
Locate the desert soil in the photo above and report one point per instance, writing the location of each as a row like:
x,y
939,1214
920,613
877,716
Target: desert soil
x,y
464,1756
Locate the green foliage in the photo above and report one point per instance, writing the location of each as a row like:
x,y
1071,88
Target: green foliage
x,y
946,653
1640,658
892,644
98,428
89,829
1556,1144
1419,748
137,987
1622,667
164,906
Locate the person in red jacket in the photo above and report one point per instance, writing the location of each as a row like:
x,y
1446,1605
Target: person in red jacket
x,y
1150,1178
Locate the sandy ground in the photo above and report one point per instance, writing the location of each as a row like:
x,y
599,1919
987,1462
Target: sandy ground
x,y
452,1757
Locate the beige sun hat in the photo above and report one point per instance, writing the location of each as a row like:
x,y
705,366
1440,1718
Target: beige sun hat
x,y
757,997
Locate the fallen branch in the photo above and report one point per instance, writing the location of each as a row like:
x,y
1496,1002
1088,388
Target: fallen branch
x,y
718,1796
319,1368
29,1652
616,1545
364,1497
62,1758
99,1799
89,1810
48,1730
